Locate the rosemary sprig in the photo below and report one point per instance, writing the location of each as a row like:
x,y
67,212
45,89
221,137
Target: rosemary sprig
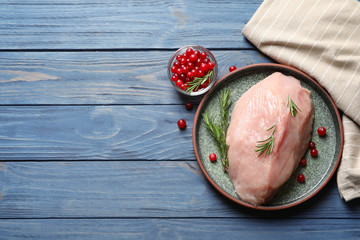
x,y
225,103
218,130
266,145
292,106
195,84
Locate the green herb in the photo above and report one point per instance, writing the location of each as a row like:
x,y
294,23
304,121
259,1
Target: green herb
x,y
292,106
266,145
218,130
195,84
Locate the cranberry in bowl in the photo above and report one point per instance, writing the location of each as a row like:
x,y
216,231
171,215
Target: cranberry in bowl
x,y
192,70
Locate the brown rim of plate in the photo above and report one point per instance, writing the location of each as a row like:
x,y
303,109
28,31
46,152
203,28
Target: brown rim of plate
x,y
275,65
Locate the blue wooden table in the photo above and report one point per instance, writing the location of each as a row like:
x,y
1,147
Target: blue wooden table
x,y
89,143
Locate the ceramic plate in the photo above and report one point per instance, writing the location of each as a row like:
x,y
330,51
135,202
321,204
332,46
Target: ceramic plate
x,y
318,170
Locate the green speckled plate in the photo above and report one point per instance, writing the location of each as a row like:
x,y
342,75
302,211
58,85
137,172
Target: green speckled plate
x,y
317,172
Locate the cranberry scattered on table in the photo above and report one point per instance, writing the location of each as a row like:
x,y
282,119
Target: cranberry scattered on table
x,y
189,106
232,68
181,124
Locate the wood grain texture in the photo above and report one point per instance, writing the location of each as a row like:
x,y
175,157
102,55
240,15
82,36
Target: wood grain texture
x,y
137,189
131,24
126,77
147,132
176,229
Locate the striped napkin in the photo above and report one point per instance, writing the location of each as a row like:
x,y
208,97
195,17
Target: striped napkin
x,y
321,38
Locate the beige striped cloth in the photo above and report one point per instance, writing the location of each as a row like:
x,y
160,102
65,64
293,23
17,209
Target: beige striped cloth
x,y
321,38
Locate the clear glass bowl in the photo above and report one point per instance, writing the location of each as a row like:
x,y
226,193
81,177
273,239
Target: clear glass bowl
x,y
209,56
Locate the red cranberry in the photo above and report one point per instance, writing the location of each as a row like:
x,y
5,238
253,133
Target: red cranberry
x,y
314,152
181,124
189,106
303,162
212,157
321,131
232,68
300,178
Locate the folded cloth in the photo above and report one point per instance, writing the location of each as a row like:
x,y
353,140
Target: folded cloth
x,y
321,38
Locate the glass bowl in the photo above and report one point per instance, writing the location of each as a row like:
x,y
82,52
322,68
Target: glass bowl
x,y
183,58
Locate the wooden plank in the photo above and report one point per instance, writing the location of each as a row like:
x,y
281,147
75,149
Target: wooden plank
x,y
98,77
147,132
137,189
109,24
280,229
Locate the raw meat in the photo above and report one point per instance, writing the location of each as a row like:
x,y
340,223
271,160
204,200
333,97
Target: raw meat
x,y
257,178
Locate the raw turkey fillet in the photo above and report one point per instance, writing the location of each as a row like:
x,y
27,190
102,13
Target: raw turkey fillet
x,y
257,178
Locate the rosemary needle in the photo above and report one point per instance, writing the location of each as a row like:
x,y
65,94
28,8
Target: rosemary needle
x,y
266,145
292,106
195,84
